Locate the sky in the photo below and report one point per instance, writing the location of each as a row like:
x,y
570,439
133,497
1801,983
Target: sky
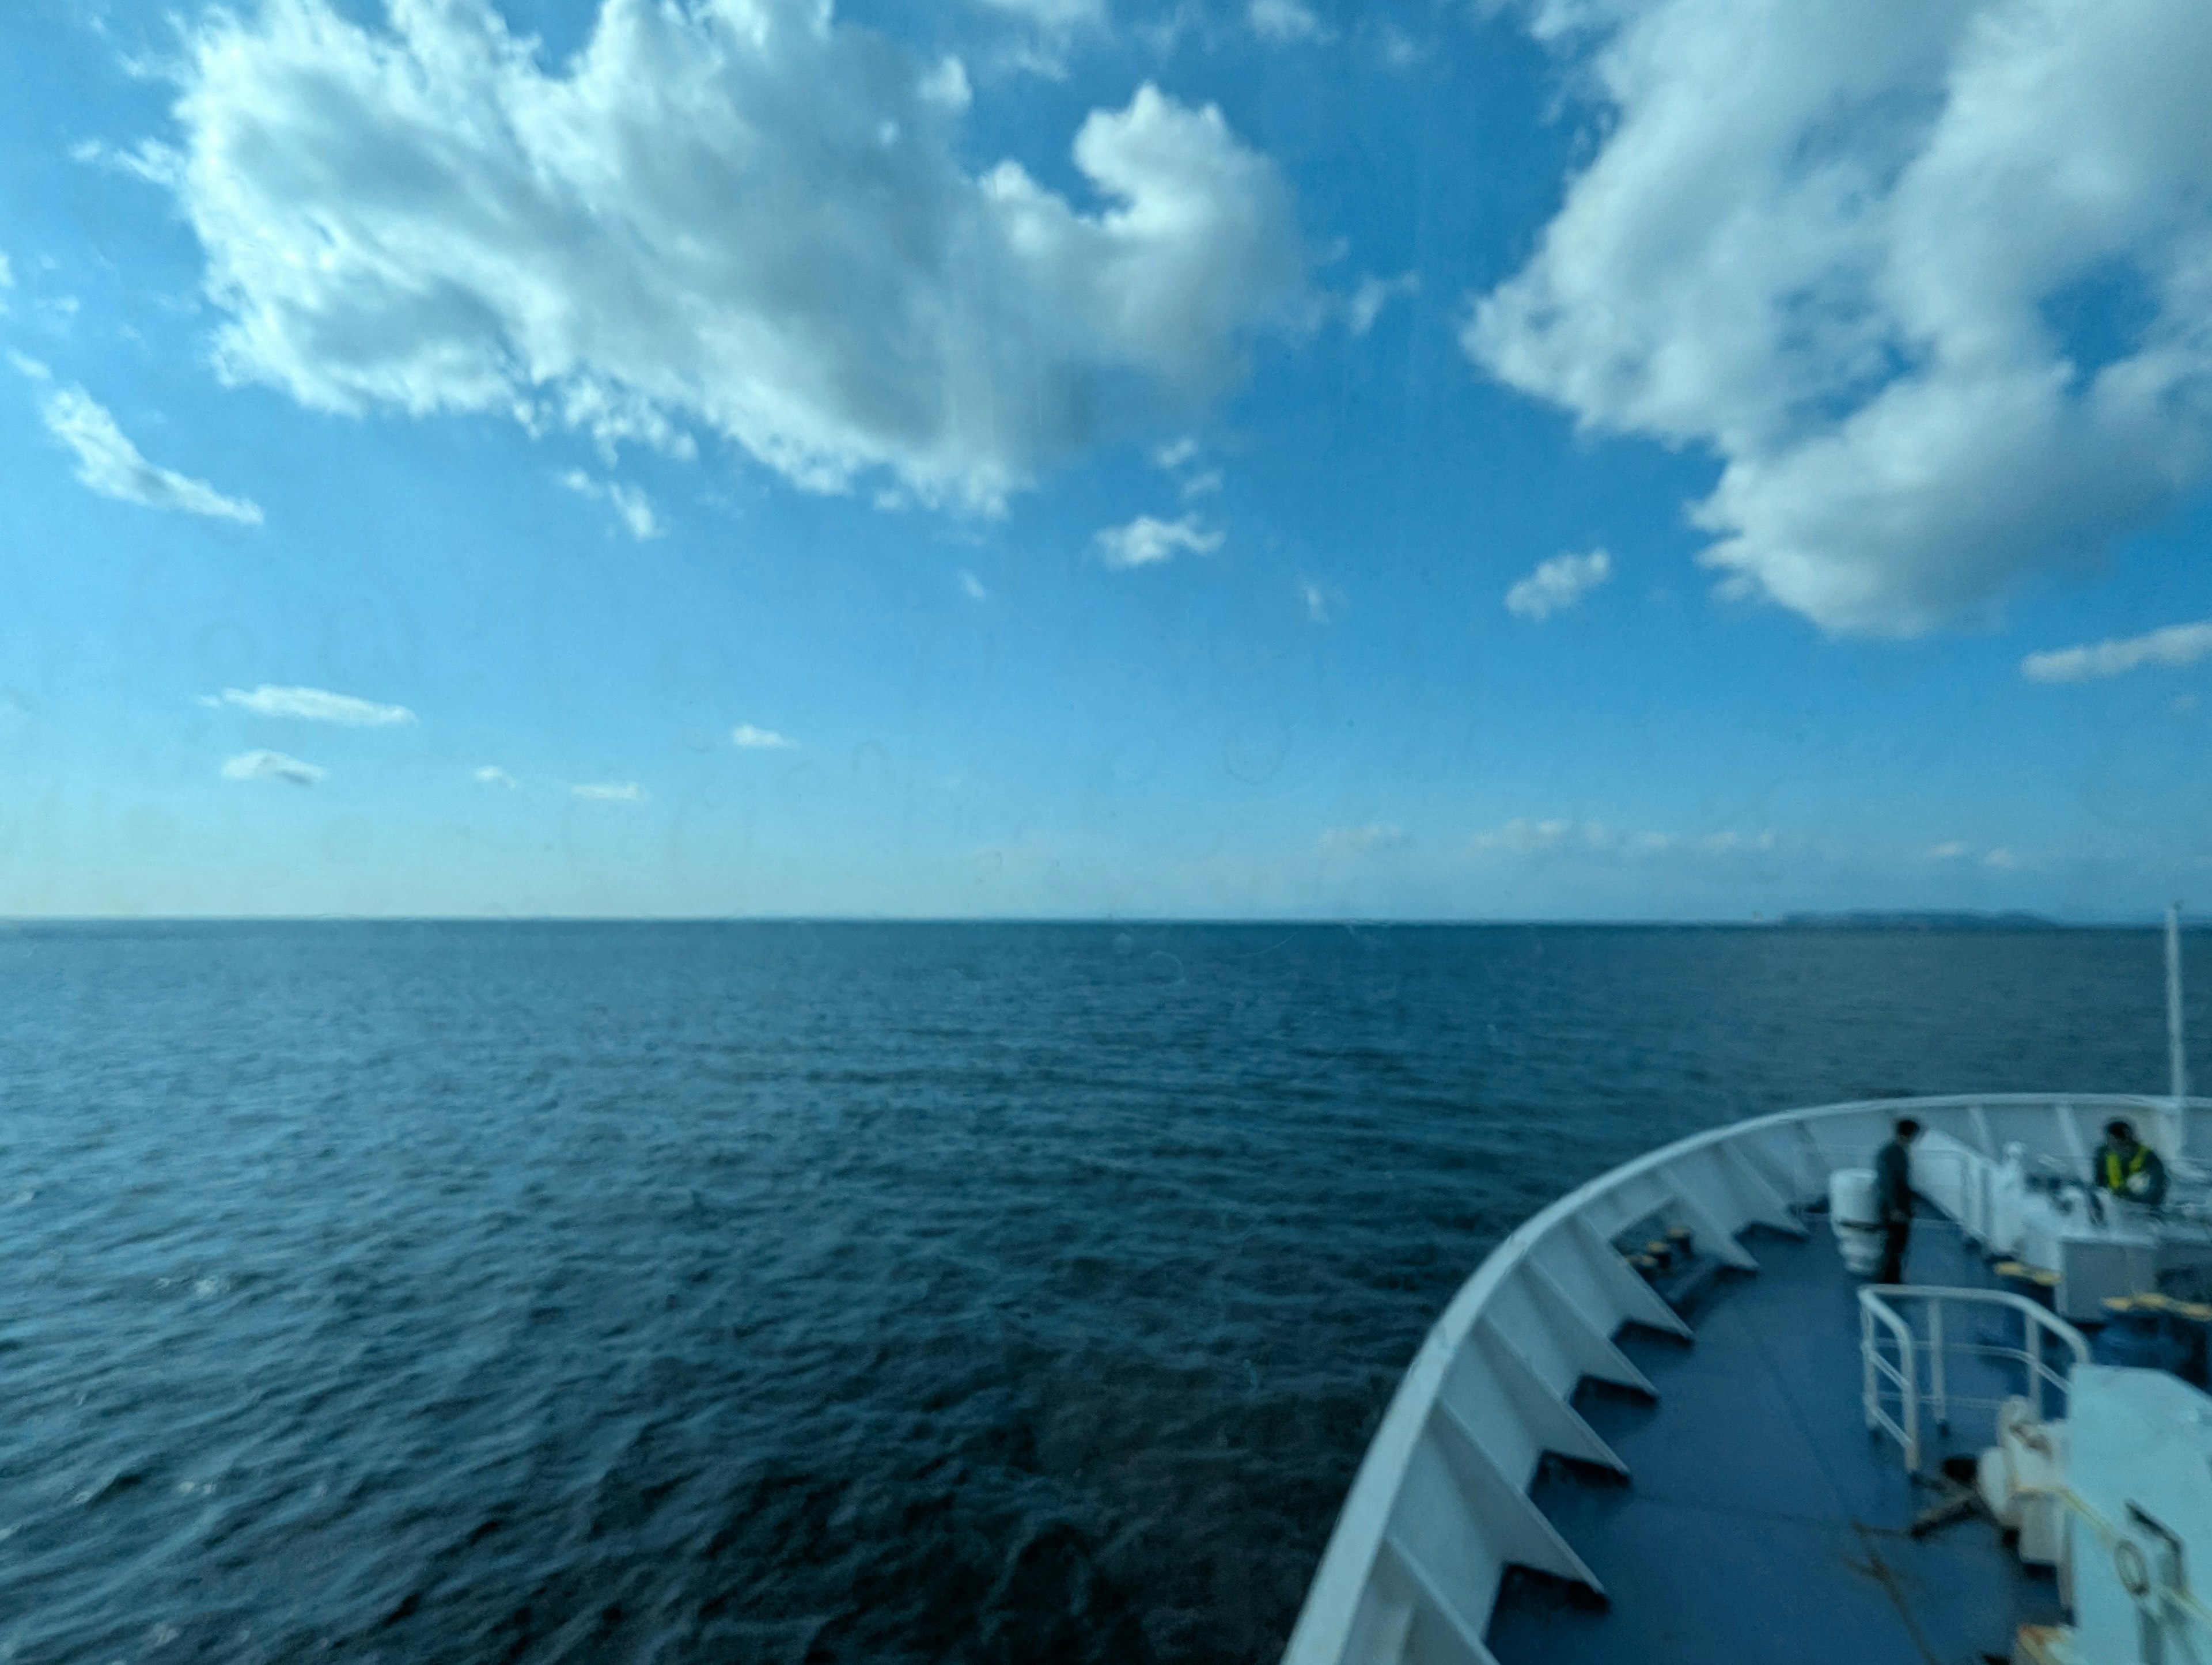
x,y
1218,458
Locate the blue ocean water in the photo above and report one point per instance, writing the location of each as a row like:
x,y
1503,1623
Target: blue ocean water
x,y
793,1292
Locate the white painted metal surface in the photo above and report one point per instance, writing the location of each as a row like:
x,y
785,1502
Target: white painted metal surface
x,y
2140,1480
1440,1506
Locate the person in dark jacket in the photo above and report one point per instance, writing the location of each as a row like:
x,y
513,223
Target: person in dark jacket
x,y
1892,1195
2127,1168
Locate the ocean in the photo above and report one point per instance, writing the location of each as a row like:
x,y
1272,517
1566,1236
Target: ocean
x,y
793,1292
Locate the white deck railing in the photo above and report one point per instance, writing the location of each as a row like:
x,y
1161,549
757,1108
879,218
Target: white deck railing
x,y
1440,1506
1885,1378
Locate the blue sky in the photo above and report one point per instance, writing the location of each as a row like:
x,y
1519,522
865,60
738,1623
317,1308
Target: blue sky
x,y
1580,459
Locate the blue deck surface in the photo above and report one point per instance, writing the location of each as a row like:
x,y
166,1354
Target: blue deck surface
x,y
1762,1522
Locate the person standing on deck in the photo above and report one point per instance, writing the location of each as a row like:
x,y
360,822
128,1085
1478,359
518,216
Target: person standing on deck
x,y
2127,1168
1892,1195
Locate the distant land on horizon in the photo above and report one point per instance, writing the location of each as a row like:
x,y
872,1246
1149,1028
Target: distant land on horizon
x,y
1878,918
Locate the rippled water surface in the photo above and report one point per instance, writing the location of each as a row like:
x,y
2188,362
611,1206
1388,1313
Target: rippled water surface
x,y
791,1292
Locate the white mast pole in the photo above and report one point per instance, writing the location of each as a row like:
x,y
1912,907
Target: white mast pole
x,y
2177,1056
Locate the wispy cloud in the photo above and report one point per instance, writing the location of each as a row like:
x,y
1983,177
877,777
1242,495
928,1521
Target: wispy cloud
x,y
609,792
1174,454
1367,302
34,368
314,705
1558,584
2174,647
749,739
1285,22
1530,837
630,504
972,586
155,163
1146,540
110,465
1324,602
491,774
1362,840
272,766
1204,484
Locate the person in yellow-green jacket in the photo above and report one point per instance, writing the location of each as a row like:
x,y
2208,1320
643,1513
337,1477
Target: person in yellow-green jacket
x,y
2128,1168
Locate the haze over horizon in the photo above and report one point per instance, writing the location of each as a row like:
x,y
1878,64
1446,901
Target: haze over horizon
x,y
1527,459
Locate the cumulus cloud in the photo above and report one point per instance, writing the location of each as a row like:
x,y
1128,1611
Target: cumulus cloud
x,y
630,504
491,774
1362,840
110,465
1932,283
1557,583
747,737
1285,22
1372,295
609,792
1146,540
272,766
2175,646
314,705
747,219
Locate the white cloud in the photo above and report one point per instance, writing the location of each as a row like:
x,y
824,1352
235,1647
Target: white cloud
x,y
749,738
611,792
110,465
35,369
1203,485
1373,295
272,766
2175,646
491,774
1146,540
1839,245
1397,50
1362,840
751,218
1058,14
1285,22
947,86
1597,838
972,586
1174,454
1324,602
158,164
630,504
314,705
1950,850
1557,583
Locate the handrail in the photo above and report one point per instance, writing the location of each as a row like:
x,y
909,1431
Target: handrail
x,y
1904,1374
1332,1625
1875,1306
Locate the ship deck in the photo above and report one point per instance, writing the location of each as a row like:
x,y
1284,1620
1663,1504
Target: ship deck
x,y
1763,1522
